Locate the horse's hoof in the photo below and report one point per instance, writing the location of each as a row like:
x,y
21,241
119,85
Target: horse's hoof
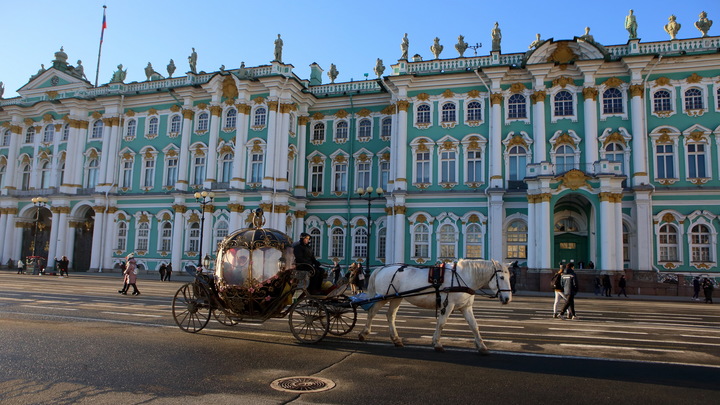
x,y
439,349
484,352
398,342
361,337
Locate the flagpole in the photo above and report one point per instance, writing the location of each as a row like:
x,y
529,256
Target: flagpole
x,y
102,32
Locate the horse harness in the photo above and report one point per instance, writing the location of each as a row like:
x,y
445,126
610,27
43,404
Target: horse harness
x,y
436,277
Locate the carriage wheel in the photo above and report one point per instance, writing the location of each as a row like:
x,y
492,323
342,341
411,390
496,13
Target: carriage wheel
x,y
343,316
309,320
222,317
191,308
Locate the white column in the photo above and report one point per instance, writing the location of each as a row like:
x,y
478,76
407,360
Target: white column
x,y
61,244
238,177
532,229
607,233
77,159
496,179
103,169
540,140
98,229
211,168
108,239
639,138
52,242
495,222
14,235
55,162
206,241
281,154
591,125
177,237
11,170
401,150
301,159
70,238
3,235
543,231
399,237
183,166
268,180
35,173
112,152
618,232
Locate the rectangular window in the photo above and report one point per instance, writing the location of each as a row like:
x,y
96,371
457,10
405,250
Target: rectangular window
x,y
363,175
447,167
316,178
257,168
166,236
149,173
143,236
126,176
384,175
422,166
171,177
696,161
665,161
474,166
199,170
340,177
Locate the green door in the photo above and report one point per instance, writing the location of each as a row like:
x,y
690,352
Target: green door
x,y
570,247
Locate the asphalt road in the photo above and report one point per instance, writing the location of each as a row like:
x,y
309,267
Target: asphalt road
x,y
75,340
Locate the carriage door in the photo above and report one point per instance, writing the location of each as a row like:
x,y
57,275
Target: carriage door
x,y
83,243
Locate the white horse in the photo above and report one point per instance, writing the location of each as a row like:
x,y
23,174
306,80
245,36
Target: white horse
x,y
473,274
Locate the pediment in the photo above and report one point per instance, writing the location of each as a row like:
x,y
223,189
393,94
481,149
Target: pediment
x,y
55,80
565,52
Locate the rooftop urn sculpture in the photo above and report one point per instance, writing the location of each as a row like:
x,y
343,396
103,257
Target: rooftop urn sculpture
x,y
171,68
379,68
333,73
461,46
703,24
672,27
436,48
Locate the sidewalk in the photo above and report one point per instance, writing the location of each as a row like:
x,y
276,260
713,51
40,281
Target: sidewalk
x,y
183,277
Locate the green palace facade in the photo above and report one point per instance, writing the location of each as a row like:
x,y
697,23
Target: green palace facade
x,y
571,151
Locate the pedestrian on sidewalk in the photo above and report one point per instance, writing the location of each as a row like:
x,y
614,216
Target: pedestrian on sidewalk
x,y
708,288
556,284
570,288
622,283
696,289
162,271
607,286
130,276
20,267
168,271
63,265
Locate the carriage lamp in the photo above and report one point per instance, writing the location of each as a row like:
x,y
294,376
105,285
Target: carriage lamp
x,y
204,198
206,262
367,194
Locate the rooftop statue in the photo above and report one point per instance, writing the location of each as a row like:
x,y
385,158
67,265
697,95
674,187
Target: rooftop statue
x,y
79,70
151,74
119,75
278,49
171,68
242,72
672,27
536,43
436,48
404,45
39,72
2,89
703,24
333,73
379,68
496,37
587,37
631,25
192,60
461,46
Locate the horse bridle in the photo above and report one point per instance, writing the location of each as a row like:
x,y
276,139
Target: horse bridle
x,y
498,269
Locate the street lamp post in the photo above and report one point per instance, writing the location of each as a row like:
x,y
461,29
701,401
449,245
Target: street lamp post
x,y
204,198
38,202
366,194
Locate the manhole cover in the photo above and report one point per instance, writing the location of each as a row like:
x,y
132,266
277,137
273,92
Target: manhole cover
x,y
302,384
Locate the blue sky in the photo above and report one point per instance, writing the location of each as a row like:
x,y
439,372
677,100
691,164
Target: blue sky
x,y
352,35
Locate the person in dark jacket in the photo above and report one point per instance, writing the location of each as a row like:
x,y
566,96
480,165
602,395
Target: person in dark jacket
x,y
622,283
570,288
696,289
305,261
708,288
607,286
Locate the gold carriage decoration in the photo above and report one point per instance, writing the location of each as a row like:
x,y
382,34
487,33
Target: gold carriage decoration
x,y
254,270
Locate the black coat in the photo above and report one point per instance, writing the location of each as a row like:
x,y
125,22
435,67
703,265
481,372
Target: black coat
x,y
304,255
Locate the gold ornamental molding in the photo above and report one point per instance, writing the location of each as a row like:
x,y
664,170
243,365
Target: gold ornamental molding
x,y
188,114
287,108
538,96
258,100
229,89
694,78
423,97
243,108
110,210
318,116
590,93
272,105
281,209
517,88
610,197
47,117
209,208
496,98
448,94
202,106
52,94
565,139
266,207
421,218
99,209
563,81
389,110
562,54
614,137
613,82
668,217
216,110
303,120
229,101
130,113
637,174
28,121
574,179
341,113
179,208
662,81
517,140
400,209
403,105
364,112
637,90
300,214
175,108
475,93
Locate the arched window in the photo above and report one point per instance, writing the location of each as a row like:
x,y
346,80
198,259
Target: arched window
x,y
49,133
175,124
315,241
473,242
626,243
668,243
65,132
337,243
194,237
122,231
30,135
381,243
517,157
612,101
447,242
360,240
662,101
474,111
226,165
221,231
25,185
319,132
448,112
564,104
231,118
421,241
166,237
386,128
517,106
564,159
143,236
6,138
260,117
92,173
97,129
517,240
423,114
153,126
694,99
341,131
700,243
365,129
203,122
44,174
131,129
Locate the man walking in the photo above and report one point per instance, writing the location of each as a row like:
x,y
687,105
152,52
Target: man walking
x,y
570,288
